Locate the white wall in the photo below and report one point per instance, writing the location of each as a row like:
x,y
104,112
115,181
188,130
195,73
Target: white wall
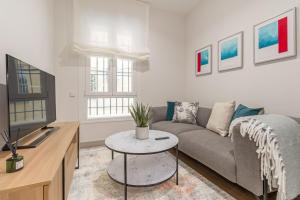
x,y
274,85
161,82
27,33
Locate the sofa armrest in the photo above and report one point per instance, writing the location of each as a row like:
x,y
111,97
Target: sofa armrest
x,y
158,114
247,163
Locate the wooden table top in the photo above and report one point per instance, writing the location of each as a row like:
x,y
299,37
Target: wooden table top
x,y
40,163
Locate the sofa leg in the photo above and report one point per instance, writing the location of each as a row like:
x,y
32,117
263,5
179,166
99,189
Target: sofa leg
x,y
265,189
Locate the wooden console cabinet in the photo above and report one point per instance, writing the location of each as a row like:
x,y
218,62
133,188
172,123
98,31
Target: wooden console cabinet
x,y
48,170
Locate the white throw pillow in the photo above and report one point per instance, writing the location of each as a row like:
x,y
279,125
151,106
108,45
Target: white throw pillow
x,y
220,117
185,112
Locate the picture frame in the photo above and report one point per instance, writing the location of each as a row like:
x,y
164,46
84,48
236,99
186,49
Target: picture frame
x,y
275,38
203,60
230,52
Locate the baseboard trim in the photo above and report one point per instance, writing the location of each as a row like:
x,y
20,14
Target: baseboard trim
x,y
92,144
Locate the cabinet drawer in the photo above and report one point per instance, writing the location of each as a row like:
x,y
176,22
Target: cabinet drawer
x,y
32,193
70,164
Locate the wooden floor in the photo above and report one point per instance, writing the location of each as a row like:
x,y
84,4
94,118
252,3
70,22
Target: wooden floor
x,y
231,188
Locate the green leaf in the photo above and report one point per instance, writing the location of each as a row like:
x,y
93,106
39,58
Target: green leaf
x,y
140,114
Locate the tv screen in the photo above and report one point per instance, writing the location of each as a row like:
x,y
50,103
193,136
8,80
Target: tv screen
x,y
31,98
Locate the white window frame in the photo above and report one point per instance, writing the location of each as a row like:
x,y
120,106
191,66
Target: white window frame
x,y
88,91
133,81
112,87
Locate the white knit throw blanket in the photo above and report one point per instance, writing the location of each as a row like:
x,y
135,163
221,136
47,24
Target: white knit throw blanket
x,y
277,139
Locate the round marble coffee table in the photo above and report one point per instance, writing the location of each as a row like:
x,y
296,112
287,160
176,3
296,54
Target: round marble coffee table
x,y
144,162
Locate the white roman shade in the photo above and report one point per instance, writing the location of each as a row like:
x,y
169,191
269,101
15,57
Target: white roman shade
x,y
116,27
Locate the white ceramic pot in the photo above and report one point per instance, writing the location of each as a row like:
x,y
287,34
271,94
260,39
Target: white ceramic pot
x,y
142,133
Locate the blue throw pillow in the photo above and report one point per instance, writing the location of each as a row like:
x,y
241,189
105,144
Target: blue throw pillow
x,y
243,111
170,110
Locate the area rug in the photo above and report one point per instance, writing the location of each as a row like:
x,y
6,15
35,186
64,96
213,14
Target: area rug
x,y
91,182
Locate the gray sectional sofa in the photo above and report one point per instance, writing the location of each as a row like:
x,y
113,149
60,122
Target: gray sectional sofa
x,y
237,161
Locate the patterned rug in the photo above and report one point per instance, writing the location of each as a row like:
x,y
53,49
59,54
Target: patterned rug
x,y
91,182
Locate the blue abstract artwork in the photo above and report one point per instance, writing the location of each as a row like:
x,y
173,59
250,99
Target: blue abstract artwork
x,y
229,49
268,35
204,57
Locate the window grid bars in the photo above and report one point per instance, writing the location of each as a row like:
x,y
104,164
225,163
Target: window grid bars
x,y
96,73
124,74
101,111
102,106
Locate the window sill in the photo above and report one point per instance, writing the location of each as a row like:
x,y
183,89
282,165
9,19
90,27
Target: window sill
x,y
107,119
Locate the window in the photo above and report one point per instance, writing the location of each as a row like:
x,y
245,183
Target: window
x,y
110,87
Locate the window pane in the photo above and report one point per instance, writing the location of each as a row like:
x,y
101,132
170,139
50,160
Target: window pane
x,y
107,111
99,74
93,83
125,84
100,64
93,103
93,63
125,102
131,101
113,102
119,102
106,65
124,75
100,111
100,103
107,102
130,84
93,112
119,84
105,84
100,83
119,65
125,66
113,111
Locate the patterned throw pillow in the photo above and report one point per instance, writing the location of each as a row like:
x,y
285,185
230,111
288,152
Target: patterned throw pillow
x,y
185,112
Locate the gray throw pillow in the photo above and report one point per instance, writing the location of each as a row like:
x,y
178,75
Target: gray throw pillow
x,y
185,112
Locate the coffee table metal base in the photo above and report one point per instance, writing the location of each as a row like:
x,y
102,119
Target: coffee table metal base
x,y
143,170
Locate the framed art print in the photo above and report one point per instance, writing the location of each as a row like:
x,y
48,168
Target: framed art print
x,y
203,60
230,52
275,38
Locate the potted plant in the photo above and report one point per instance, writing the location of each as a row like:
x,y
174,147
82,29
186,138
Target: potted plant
x,y
141,115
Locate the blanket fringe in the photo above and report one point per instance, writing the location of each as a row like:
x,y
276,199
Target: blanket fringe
x,y
272,166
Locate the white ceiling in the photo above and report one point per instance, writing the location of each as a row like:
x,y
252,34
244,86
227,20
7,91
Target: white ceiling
x,y
177,6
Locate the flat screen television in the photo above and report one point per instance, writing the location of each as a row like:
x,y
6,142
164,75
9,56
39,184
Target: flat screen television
x,y
31,98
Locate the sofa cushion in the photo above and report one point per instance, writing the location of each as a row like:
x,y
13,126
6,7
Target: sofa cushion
x,y
173,127
211,149
170,110
220,117
185,112
243,111
203,115
158,114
